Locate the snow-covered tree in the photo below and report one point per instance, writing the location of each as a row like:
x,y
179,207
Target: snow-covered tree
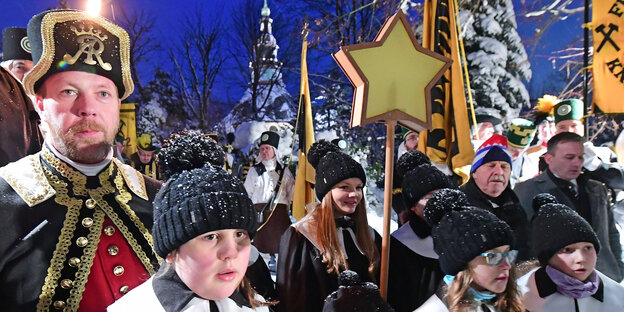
x,y
497,60
157,112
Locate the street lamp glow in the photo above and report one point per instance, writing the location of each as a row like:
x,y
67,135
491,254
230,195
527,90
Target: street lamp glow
x,y
93,7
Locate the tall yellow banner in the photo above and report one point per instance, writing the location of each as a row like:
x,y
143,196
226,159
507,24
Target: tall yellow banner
x,y
608,68
448,141
305,172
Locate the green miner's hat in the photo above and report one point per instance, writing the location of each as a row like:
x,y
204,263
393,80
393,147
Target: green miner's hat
x,y
568,109
520,133
70,40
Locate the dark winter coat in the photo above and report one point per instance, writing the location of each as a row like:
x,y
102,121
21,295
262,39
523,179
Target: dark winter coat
x,y
610,255
415,272
150,169
302,279
49,210
19,134
507,208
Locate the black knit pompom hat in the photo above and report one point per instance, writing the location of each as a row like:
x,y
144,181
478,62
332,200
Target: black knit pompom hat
x,y
199,197
556,226
332,166
421,180
461,232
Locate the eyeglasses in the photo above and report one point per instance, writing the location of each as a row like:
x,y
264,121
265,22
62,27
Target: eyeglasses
x,y
496,257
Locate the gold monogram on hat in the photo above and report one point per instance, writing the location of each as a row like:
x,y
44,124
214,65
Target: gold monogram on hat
x,y
91,44
70,40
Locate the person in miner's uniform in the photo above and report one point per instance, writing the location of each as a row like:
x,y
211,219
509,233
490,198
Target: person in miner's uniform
x,y
75,221
270,186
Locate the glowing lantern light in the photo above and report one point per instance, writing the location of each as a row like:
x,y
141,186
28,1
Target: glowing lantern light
x,y
94,7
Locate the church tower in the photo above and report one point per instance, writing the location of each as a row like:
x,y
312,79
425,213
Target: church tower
x,y
266,63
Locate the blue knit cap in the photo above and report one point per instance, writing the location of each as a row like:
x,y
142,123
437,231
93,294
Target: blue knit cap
x,y
493,149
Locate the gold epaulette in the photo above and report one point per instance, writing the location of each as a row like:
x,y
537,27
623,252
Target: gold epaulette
x,y
133,179
27,179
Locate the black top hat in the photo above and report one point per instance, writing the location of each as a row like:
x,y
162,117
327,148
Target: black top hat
x,y
15,44
270,137
70,40
484,117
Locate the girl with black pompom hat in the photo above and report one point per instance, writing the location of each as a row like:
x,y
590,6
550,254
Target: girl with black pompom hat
x,y
567,280
203,226
332,237
476,253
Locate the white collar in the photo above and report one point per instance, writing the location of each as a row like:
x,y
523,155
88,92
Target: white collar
x,y
270,164
421,246
87,169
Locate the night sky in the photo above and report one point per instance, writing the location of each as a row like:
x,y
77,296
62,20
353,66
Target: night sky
x,y
169,15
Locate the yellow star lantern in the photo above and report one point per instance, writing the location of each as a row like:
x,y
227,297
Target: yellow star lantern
x,y
392,76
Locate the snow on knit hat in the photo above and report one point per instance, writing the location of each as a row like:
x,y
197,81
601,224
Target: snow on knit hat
x,y
556,226
493,149
461,232
332,166
354,295
422,180
187,149
410,160
196,200
542,199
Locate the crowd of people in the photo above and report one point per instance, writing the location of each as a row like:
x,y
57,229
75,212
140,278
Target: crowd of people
x,y
86,229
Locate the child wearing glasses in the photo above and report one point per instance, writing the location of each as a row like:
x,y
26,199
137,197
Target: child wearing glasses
x,y
567,280
475,252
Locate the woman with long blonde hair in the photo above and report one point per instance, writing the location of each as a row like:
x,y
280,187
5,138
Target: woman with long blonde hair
x,y
475,250
333,237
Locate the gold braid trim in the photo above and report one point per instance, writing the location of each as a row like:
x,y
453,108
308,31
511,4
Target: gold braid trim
x,y
123,198
102,209
27,179
48,23
86,261
65,239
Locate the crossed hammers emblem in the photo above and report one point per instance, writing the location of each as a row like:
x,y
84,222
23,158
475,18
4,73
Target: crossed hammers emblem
x,y
607,36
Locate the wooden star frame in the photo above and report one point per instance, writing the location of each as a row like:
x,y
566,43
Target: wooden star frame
x,y
392,76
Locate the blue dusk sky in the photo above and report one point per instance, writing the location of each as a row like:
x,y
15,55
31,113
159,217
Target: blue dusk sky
x,y
169,15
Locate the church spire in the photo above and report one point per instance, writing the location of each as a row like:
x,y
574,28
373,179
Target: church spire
x,y
266,49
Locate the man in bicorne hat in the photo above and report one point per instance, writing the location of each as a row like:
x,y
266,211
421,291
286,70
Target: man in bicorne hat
x,y
485,127
75,225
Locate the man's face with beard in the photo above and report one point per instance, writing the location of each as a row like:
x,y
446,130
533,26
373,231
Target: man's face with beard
x,y
82,113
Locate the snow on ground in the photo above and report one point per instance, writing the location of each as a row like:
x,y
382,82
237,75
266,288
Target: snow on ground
x,y
374,200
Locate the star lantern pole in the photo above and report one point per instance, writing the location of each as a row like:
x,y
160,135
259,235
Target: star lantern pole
x,y
392,79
